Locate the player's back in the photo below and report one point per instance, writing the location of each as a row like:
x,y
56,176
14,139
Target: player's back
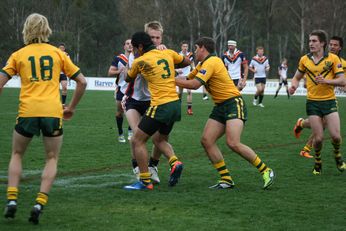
x,y
157,67
39,66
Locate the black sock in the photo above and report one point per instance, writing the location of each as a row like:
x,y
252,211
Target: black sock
x,y
260,99
63,99
119,120
276,94
134,163
153,162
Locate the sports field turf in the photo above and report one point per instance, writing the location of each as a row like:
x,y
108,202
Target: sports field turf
x,y
94,167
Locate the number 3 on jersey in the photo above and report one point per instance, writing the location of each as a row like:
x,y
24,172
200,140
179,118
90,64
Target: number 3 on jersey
x,y
46,68
166,68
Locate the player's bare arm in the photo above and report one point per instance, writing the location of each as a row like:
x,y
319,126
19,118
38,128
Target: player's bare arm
x,y
295,81
77,95
3,80
188,84
338,81
114,71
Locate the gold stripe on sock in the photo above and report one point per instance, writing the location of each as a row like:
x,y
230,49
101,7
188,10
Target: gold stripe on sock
x,y
42,198
172,160
226,178
307,148
256,161
12,193
145,177
261,166
224,171
219,164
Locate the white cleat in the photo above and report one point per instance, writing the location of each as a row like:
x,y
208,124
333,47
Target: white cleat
x,y
136,172
121,139
154,175
129,135
261,105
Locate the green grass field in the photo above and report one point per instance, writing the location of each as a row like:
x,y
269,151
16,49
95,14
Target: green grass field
x,y
93,168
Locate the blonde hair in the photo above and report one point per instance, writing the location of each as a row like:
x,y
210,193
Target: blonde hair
x,y
154,25
36,29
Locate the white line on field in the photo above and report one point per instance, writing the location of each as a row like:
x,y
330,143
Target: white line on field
x,y
3,174
72,181
85,181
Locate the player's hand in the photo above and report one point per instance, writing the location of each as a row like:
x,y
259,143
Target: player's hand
x,y
320,79
161,47
68,113
123,102
292,90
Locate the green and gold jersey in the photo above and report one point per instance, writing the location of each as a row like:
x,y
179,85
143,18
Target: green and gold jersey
x,y
157,68
329,66
213,74
343,62
39,66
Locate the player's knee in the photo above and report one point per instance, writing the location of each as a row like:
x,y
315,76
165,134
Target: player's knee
x,y
336,138
52,156
18,154
205,142
157,140
318,139
135,142
234,145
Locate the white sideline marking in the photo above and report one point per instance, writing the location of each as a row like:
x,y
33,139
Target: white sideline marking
x,y
102,181
25,173
75,182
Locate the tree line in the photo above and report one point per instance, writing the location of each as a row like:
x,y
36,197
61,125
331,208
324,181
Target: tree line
x,y
94,31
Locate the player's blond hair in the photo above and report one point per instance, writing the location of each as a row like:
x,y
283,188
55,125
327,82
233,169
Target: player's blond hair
x,y
154,25
36,29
